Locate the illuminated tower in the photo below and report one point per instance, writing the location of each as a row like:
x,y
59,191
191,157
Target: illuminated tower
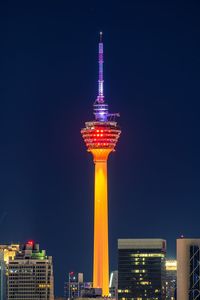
x,y
101,136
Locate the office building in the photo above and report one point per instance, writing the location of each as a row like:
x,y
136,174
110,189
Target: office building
x,y
101,136
30,274
141,269
188,269
171,270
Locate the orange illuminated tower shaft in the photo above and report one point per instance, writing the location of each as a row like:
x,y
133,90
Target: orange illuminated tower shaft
x,y
101,255
101,136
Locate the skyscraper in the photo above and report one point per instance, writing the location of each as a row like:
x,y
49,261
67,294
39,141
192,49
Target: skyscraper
x,y
30,274
101,136
141,269
188,269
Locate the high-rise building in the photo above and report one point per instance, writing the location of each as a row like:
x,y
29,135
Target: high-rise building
x,y
188,269
30,274
141,269
171,269
101,136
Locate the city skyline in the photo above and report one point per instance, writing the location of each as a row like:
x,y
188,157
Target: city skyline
x,y
48,82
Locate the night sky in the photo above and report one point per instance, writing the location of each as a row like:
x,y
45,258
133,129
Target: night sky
x,y
48,83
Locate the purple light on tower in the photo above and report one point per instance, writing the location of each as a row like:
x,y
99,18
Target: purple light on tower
x,y
100,98
100,108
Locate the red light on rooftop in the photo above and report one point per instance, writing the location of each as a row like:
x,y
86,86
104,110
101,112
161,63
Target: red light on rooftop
x,y
30,243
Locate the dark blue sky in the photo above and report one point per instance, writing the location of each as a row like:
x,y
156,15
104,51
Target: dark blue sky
x,y
48,83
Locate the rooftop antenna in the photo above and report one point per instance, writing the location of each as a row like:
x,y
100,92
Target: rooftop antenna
x,y
100,97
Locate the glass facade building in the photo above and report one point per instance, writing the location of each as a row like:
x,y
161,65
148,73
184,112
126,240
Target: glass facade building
x,y
141,269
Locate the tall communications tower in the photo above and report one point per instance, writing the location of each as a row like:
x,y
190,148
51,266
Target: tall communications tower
x,y
101,136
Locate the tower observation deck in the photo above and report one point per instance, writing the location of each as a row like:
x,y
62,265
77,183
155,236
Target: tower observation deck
x,y
101,136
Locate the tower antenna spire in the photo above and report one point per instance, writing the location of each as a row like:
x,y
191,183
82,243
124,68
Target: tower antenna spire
x,y
100,98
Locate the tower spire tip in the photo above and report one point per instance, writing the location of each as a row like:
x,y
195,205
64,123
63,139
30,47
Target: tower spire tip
x,y
100,36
